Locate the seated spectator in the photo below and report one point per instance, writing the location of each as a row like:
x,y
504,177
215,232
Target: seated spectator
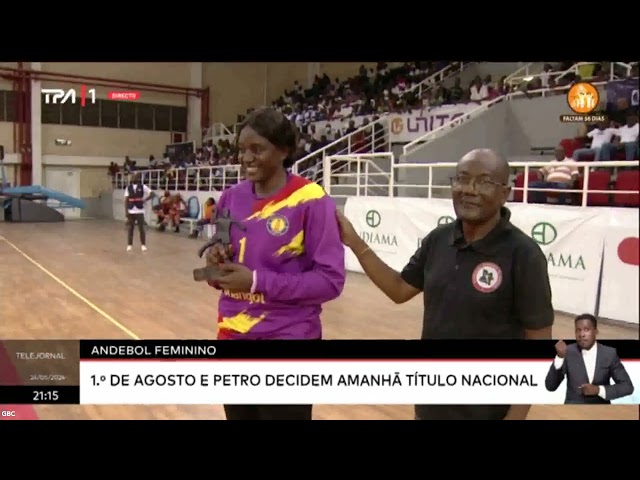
x,y
207,216
479,90
626,138
177,208
545,76
162,209
499,89
456,93
563,174
113,169
599,136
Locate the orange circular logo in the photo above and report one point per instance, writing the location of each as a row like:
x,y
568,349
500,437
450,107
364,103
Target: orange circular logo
x,y
396,126
583,98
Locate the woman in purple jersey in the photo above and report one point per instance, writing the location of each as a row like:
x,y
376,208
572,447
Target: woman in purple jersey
x,y
286,258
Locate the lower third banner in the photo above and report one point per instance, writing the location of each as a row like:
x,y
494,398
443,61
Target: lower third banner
x,y
310,381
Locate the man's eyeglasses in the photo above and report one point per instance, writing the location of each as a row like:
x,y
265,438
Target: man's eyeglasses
x,y
480,184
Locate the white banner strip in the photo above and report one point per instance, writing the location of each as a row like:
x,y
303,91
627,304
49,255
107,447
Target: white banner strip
x,y
573,240
384,382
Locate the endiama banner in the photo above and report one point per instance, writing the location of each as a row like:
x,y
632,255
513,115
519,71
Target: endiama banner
x,y
386,227
394,227
573,240
620,275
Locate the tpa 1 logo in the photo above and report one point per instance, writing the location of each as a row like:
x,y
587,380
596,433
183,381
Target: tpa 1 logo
x,y
55,96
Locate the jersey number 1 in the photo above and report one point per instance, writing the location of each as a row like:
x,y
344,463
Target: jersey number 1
x,y
243,248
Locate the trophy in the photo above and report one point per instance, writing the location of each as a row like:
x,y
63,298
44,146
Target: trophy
x,y
223,224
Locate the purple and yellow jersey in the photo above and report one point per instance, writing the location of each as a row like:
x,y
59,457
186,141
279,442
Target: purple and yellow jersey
x,y
292,241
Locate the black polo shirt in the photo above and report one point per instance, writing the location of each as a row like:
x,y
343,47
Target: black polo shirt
x,y
494,288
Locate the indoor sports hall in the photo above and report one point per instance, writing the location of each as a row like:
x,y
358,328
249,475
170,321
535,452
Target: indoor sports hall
x,y
74,279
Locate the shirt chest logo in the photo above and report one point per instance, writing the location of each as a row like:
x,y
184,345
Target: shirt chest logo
x,y
486,277
277,225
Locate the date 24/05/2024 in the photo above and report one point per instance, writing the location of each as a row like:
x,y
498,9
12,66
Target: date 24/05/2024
x,y
47,378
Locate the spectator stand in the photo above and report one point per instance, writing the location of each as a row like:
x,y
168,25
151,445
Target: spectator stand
x,y
202,179
589,249
371,137
556,76
362,134
524,85
365,95
386,183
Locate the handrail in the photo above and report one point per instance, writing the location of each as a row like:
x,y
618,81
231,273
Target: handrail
x,y
440,76
362,177
384,120
587,168
517,80
366,168
514,74
219,130
440,130
437,132
202,178
447,127
324,151
444,73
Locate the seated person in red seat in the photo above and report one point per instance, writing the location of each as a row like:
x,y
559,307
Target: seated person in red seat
x,y
626,138
600,135
177,208
563,173
162,209
207,216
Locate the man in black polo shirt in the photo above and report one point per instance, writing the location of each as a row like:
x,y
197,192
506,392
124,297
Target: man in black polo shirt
x,y
482,277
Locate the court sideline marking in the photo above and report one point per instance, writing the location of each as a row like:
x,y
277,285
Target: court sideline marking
x,y
74,292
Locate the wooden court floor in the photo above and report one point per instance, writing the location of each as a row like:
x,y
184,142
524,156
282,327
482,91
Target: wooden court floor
x,y
45,268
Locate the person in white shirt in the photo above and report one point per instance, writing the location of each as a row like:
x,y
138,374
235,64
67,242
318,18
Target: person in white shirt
x,y
479,91
589,367
599,136
626,138
561,174
135,196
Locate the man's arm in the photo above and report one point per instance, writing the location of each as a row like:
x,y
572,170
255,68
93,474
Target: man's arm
x,y
533,307
532,293
399,287
148,193
623,385
556,374
126,203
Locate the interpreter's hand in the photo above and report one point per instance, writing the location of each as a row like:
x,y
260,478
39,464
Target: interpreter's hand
x,y
235,277
589,390
218,254
348,234
561,348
